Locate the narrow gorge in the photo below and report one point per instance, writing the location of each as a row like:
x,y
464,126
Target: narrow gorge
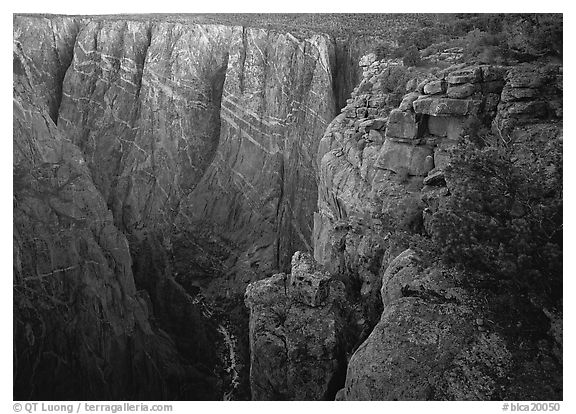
x,y
207,210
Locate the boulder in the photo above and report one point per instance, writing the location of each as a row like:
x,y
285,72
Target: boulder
x,y
408,100
367,60
434,87
402,125
467,75
407,353
435,177
405,158
446,106
426,345
461,91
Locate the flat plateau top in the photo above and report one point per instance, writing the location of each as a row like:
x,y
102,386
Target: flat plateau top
x,y
340,24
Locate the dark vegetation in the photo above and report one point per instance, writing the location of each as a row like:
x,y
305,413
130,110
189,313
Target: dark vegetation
x,y
339,25
504,216
485,38
501,229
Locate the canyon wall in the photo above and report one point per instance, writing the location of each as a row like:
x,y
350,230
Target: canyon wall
x,y
82,327
416,330
191,148
164,169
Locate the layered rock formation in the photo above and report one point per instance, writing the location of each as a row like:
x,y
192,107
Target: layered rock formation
x,y
385,152
382,171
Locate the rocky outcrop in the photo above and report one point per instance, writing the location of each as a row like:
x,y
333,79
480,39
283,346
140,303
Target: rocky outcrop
x,y
381,160
382,172
297,333
437,341
429,344
532,94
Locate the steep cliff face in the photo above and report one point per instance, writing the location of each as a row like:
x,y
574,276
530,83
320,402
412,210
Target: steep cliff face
x,y
162,168
142,102
260,189
194,141
47,46
382,171
81,327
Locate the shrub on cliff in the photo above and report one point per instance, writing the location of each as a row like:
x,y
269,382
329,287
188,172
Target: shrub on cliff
x,y
504,215
411,57
383,50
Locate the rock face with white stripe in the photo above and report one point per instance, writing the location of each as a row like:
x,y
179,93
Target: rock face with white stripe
x,y
261,187
82,326
142,102
203,125
199,139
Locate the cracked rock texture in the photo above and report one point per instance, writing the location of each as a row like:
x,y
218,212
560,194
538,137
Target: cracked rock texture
x,y
381,167
297,331
154,160
260,190
194,142
82,328
426,345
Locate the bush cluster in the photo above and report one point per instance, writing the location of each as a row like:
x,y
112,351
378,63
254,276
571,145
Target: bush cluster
x,y
487,38
504,216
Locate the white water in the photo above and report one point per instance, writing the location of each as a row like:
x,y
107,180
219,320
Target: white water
x,y
229,360
230,342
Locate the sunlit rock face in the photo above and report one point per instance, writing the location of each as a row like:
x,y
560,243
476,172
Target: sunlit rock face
x,y
261,188
142,102
382,163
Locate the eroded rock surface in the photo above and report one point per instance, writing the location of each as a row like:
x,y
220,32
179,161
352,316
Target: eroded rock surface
x,y
435,341
297,333
261,188
382,171
82,329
